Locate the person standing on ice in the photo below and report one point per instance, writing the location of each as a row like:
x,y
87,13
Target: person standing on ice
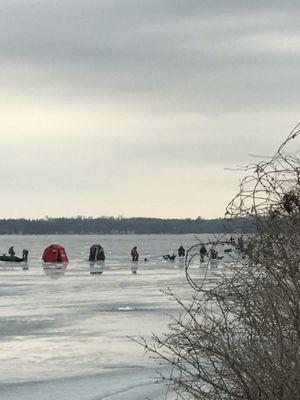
x,y
181,251
134,254
11,251
58,256
213,254
203,253
25,254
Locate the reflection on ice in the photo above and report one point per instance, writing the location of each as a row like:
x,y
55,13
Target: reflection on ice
x,y
25,266
55,270
134,267
214,263
97,268
181,261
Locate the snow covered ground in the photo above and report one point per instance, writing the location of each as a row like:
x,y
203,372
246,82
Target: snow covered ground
x,y
70,336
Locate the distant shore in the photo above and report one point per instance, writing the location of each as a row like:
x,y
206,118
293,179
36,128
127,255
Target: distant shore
x,y
122,226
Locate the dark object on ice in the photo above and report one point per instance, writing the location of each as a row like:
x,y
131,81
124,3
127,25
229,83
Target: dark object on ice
x,y
13,258
145,259
170,257
4,257
134,254
227,250
96,253
55,253
181,251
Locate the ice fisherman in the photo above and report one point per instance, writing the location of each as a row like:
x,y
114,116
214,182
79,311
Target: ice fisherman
x,y
11,251
58,256
203,253
181,251
213,254
134,254
25,254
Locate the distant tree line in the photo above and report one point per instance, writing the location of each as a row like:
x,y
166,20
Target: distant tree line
x,y
111,225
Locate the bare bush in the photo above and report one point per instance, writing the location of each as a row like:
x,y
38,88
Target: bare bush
x,y
240,337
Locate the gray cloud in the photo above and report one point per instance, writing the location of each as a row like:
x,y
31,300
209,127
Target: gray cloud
x,y
118,88
165,50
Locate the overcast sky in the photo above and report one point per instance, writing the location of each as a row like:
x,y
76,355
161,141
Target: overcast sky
x,y
137,107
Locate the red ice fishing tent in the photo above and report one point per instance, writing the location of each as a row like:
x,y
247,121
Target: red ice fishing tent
x,y
55,254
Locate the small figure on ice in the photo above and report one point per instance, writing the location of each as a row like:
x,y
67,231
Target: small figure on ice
x,y
11,251
213,254
203,253
134,254
25,253
181,251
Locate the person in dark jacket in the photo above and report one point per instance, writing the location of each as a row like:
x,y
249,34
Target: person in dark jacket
x,y
11,251
203,253
25,254
213,254
181,251
58,256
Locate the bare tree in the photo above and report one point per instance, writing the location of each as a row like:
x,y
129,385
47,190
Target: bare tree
x,y
239,338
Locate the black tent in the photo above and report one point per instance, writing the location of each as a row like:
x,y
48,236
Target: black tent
x,y
96,253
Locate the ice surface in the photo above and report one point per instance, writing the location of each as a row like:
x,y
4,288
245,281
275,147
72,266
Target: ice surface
x,y
71,337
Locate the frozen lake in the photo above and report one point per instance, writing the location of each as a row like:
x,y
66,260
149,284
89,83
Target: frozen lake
x,y
70,337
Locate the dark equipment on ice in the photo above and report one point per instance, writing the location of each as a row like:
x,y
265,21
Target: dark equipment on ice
x,y
170,257
13,258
